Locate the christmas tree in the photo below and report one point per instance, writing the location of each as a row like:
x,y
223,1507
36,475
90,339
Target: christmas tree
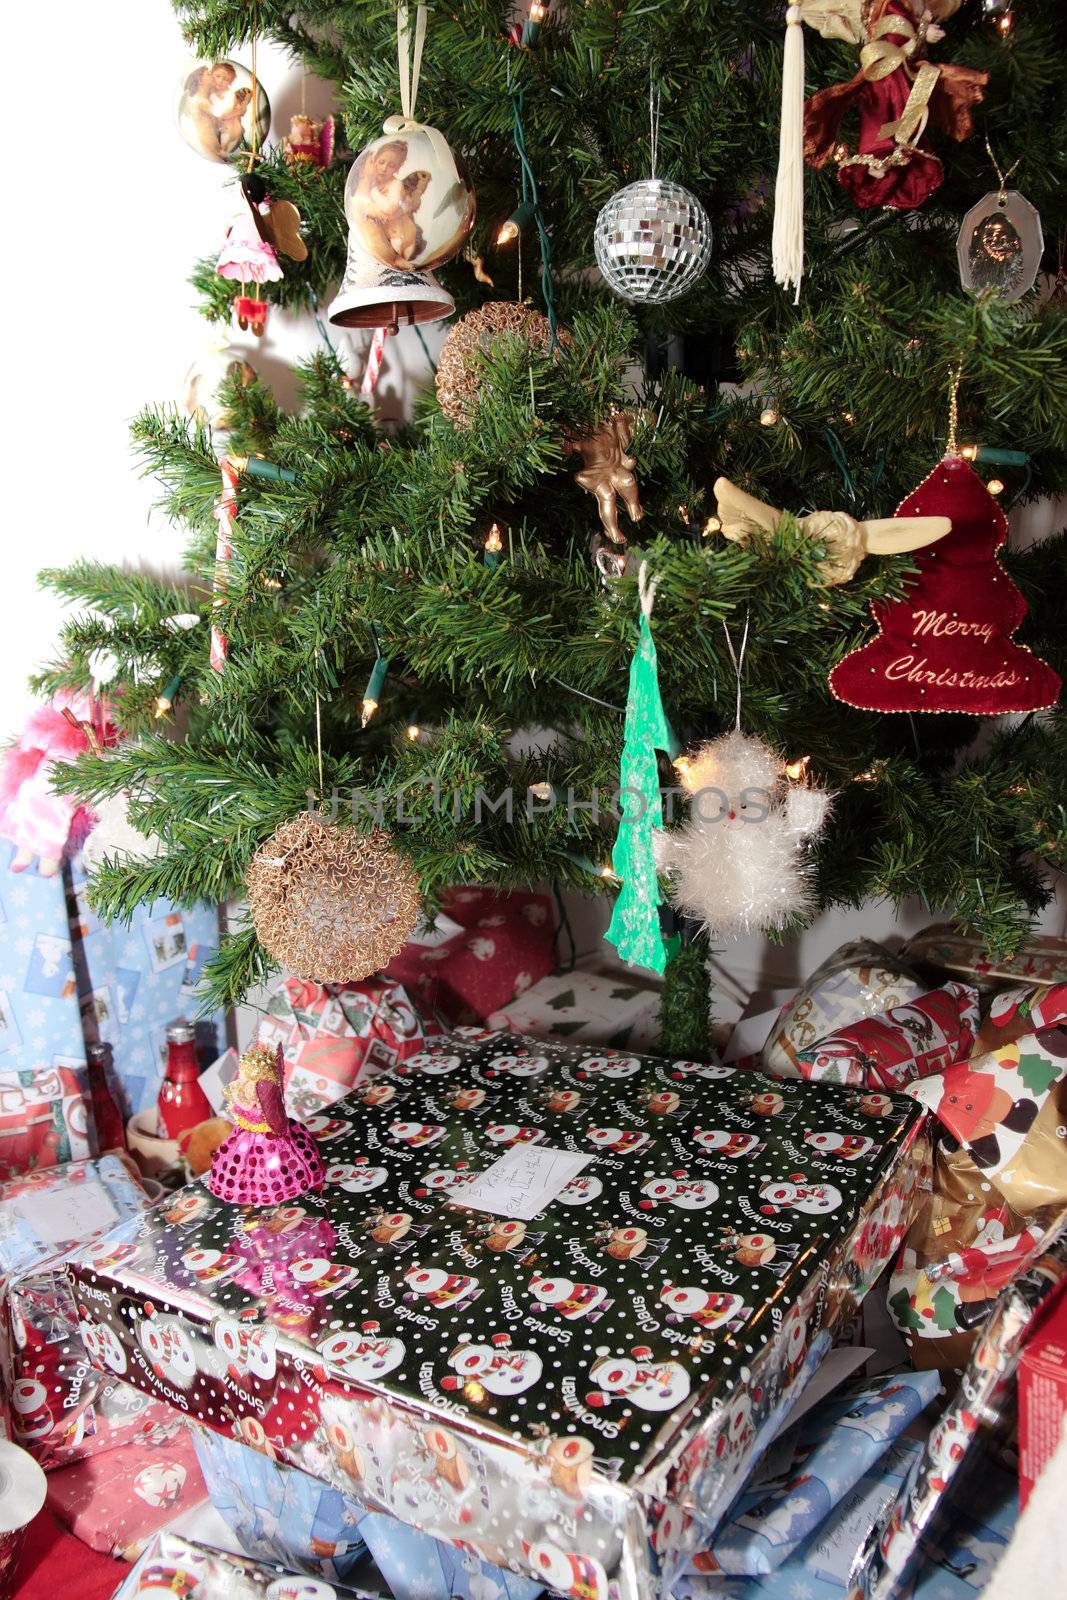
x,y
366,569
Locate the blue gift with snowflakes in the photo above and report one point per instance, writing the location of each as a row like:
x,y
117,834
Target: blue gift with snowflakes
x,y
65,978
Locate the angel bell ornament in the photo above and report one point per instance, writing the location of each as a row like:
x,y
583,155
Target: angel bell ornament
x,y
408,197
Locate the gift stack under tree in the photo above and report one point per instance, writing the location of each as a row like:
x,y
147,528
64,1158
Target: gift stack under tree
x,y
688,585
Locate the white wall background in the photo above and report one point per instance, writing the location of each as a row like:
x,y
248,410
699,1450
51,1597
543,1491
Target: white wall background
x,y
99,320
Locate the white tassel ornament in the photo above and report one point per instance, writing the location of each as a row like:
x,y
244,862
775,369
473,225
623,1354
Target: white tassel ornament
x,y
787,240
739,864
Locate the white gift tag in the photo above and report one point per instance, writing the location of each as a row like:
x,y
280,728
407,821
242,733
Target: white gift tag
x,y
522,1182
59,1215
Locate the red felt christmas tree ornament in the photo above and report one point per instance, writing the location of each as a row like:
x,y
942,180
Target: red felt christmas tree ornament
x,y
947,644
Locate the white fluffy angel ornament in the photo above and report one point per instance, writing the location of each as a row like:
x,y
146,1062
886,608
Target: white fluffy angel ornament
x,y
740,864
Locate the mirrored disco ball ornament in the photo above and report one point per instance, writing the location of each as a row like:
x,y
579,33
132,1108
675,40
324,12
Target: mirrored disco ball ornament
x,y
652,241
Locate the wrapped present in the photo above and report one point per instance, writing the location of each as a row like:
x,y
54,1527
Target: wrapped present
x,y
820,1569
895,1550
1005,1112
891,1050
68,978
45,1214
1042,1394
614,1010
836,1444
1041,959
46,1118
546,1302
859,980
334,1036
62,1407
281,1514
116,1503
502,946
278,1513
1022,1009
173,1567
59,1406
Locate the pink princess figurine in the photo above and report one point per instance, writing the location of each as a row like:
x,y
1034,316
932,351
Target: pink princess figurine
x,y
246,258
268,1157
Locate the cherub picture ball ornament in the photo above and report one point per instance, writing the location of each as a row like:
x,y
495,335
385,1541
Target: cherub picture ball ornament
x,y
329,903
269,1157
205,378
222,110
652,241
947,645
460,377
739,864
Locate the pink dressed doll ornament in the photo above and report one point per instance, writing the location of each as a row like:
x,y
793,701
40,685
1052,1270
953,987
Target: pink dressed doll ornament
x,y
246,258
268,1157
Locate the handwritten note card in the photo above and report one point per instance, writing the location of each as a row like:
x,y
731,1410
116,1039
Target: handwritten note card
x,y
522,1182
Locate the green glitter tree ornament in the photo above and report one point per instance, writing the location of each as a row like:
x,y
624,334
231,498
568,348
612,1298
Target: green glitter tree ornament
x,y
635,928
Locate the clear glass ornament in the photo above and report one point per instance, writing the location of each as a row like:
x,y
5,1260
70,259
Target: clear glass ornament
x,y
652,241
999,245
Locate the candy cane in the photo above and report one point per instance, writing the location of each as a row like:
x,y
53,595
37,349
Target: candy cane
x,y
374,361
225,512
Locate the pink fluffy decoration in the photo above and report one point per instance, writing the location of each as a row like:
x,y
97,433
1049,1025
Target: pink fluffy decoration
x,y
38,821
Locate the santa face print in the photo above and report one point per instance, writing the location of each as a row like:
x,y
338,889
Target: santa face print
x,y
689,1194
608,1067
430,1065
316,1276
29,1404
354,1178
709,1309
579,1191
212,1266
717,1142
649,1385
169,1353
248,1351
358,1355
508,1133
572,1301
567,1572
439,1288
617,1141
103,1346
814,1199
160,1484
842,1146
417,1134
519,1066
324,1128
498,1369
105,1255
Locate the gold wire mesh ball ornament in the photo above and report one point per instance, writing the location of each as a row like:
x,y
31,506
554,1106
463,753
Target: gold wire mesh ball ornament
x,y
459,374
328,903
652,241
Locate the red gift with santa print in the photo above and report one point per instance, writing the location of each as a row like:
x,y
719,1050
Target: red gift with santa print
x,y
116,1503
502,945
889,1051
335,1036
